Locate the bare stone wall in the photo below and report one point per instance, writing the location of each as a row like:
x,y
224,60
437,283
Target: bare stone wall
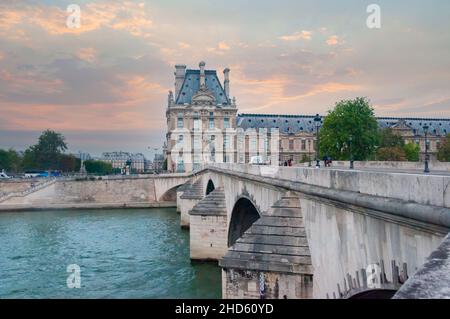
x,y
186,205
106,191
9,186
343,242
244,284
208,237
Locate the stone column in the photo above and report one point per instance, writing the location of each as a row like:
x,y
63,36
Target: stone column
x,y
208,227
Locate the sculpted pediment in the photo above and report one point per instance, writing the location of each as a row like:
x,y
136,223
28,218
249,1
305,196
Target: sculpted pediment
x,y
204,97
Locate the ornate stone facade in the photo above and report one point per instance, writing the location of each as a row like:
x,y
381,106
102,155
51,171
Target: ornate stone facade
x,y
203,125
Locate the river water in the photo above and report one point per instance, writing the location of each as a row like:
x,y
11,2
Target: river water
x,y
121,254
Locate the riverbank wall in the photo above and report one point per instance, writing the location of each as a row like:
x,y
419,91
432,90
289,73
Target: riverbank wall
x,y
104,192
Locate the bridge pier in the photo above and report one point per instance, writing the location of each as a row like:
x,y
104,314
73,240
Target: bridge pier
x,y
180,191
271,259
208,227
191,196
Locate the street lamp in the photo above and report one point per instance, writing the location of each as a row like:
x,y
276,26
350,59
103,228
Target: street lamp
x,y
427,158
309,153
317,120
350,140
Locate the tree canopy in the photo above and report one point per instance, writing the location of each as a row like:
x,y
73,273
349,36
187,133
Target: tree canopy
x,y
444,150
350,128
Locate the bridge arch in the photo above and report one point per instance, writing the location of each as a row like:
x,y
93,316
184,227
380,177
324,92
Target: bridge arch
x,y
210,187
374,294
243,215
170,195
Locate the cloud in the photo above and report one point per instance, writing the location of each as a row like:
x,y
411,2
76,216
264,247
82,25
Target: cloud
x,y
221,48
333,40
128,16
87,54
302,35
184,45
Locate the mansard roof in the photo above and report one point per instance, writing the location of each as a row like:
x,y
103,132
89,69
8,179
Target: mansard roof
x,y
191,85
305,123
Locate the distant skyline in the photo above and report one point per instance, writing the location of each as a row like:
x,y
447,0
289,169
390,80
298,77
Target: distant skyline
x,y
105,85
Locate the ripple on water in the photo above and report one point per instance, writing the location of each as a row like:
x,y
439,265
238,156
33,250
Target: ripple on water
x,y
122,254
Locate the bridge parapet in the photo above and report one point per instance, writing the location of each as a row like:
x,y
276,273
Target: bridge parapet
x,y
419,188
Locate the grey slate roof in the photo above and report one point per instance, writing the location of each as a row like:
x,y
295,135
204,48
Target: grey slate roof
x,y
211,205
191,85
276,242
305,123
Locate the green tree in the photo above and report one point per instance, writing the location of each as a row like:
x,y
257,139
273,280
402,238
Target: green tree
x,y
351,128
394,154
10,160
305,158
389,139
412,152
47,152
98,167
444,150
69,163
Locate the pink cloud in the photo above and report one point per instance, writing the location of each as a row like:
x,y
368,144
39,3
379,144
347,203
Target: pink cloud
x,y
301,35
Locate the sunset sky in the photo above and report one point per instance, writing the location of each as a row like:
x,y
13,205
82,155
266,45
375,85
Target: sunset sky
x,y
104,85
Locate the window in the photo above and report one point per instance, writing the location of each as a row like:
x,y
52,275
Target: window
x,y
291,145
226,122
180,120
226,141
196,122
303,145
211,123
197,142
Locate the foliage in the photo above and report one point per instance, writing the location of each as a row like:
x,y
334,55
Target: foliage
x,y
395,154
444,150
412,152
98,167
69,163
305,158
9,160
389,139
351,128
46,153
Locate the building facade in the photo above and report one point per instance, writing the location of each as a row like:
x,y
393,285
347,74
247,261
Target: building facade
x,y
203,126
198,115
120,160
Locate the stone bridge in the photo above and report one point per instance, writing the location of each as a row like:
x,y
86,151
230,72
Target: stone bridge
x,y
314,233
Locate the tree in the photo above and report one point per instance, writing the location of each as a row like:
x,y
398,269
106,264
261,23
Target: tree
x,y
389,139
412,152
98,167
46,153
10,160
394,154
351,128
444,150
69,163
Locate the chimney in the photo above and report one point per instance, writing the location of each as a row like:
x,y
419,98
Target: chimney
x,y
180,72
226,82
202,74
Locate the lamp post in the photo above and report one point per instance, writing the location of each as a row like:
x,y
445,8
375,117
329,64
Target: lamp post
x,y
317,120
427,158
309,153
350,140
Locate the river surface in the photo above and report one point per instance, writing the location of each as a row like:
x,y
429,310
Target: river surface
x,y
121,254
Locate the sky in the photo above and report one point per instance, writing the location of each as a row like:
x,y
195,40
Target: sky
x,y
104,85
